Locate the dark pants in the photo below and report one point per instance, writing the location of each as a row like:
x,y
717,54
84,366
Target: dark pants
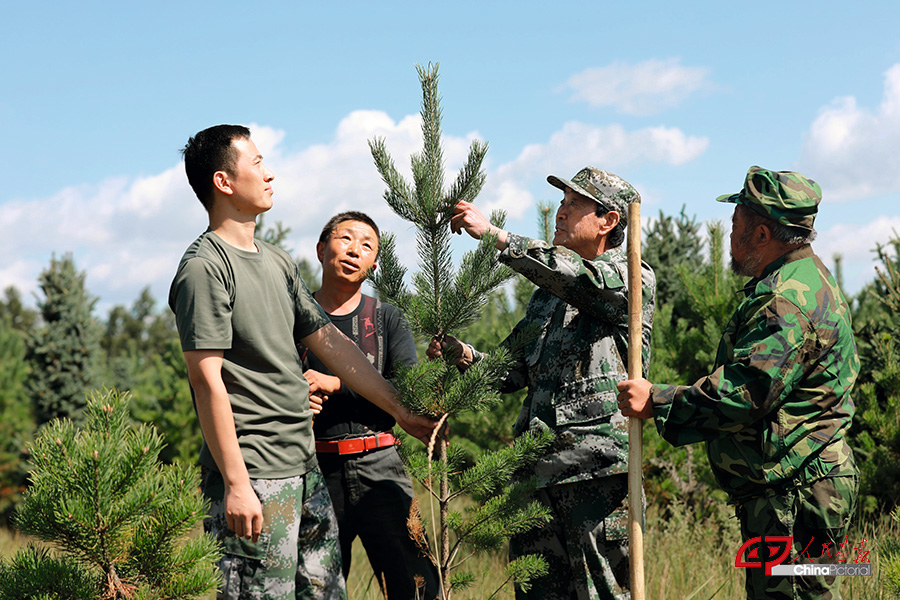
x,y
372,493
816,514
585,544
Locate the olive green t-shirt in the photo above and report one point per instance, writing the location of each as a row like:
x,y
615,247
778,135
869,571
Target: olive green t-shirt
x,y
254,306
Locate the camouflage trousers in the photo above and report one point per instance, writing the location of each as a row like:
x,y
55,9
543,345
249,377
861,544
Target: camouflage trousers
x,y
585,544
813,515
297,554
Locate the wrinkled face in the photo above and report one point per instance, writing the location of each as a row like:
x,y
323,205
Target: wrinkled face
x,y
744,260
251,182
577,225
349,252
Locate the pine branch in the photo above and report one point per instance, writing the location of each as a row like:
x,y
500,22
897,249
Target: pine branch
x,y
433,154
398,194
470,179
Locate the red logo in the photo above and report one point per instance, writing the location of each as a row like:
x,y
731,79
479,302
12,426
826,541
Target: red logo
x,y
367,325
752,548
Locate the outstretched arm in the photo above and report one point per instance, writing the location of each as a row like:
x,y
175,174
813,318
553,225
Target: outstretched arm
x,y
345,360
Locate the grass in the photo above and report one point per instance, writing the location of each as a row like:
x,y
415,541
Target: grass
x,y
685,559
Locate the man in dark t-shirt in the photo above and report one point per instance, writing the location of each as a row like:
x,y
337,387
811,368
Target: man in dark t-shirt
x,y
368,485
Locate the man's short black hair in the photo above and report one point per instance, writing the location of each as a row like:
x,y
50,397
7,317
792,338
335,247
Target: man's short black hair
x,y
207,152
350,215
617,235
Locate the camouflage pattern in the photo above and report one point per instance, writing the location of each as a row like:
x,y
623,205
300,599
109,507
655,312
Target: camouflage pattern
x,y
814,515
784,196
586,515
775,410
297,555
604,188
572,366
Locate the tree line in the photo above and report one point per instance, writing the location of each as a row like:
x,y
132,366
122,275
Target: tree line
x,y
53,356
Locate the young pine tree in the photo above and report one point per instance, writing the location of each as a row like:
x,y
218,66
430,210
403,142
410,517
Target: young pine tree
x,y
117,518
876,431
16,421
62,353
446,300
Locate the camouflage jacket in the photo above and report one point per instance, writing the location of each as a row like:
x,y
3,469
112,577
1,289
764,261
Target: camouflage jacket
x,y
775,409
572,365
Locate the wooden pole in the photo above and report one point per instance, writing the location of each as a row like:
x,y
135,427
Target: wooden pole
x,y
635,437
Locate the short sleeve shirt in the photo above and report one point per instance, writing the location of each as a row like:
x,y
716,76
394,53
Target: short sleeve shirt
x,y
252,306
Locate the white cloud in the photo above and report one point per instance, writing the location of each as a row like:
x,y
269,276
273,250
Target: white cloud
x,y
856,243
577,145
644,88
130,233
852,151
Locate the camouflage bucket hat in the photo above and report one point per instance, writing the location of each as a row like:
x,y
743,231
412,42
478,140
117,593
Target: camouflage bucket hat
x,y
603,187
784,196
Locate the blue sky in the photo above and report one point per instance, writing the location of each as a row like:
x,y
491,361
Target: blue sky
x,y
678,98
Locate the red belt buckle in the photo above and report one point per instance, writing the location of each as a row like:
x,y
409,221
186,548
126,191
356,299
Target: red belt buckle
x,y
356,445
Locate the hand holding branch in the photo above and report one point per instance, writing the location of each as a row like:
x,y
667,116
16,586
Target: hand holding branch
x,y
467,217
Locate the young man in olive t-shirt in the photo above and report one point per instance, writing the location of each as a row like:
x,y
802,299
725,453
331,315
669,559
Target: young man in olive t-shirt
x,y
241,307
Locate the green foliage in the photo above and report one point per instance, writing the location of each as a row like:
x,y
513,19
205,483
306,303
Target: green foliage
x,y
143,357
99,494
17,315
36,574
16,421
162,396
63,352
669,243
700,296
876,431
890,557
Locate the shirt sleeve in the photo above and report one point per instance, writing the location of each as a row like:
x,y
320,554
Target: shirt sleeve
x,y
309,317
596,288
771,340
202,302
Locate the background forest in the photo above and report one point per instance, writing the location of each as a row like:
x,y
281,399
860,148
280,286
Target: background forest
x,y
52,357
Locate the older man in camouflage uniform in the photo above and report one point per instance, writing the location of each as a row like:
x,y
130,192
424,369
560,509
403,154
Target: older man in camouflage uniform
x,y
775,410
570,369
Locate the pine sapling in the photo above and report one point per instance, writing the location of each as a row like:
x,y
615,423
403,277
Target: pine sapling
x,y
117,519
446,300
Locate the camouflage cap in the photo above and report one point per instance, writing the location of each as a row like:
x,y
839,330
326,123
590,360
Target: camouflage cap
x,y
603,187
784,196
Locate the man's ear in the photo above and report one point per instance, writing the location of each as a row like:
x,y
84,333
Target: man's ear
x,y
222,183
374,266
763,235
609,221
320,251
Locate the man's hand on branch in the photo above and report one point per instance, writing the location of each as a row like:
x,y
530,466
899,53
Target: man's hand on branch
x,y
467,217
452,350
418,426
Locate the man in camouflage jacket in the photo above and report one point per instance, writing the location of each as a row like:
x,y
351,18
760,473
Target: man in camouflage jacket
x,y
571,367
777,406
